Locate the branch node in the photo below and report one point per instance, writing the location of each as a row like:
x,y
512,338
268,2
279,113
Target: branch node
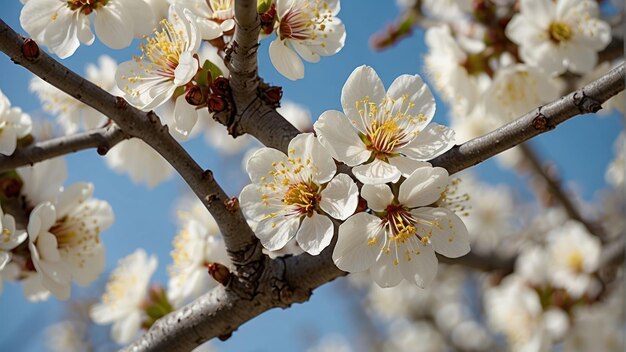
x,y
211,198
207,175
232,204
225,336
586,104
120,103
219,273
102,149
152,117
540,122
30,49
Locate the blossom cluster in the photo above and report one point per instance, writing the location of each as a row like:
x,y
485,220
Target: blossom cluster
x,y
50,232
394,225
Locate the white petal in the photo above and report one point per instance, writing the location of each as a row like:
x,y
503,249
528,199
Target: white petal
x,y
41,219
342,141
540,12
48,247
8,141
124,331
378,197
260,164
376,172
340,197
4,259
407,165
185,116
386,272
449,236
36,16
186,69
423,187
306,147
114,26
315,233
421,269
580,59
252,203
286,61
306,52
433,141
61,34
417,92
363,82
275,232
356,248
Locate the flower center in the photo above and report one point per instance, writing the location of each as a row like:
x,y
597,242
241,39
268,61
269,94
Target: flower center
x,y
75,237
388,125
575,261
560,32
86,6
305,20
222,9
164,49
400,223
304,196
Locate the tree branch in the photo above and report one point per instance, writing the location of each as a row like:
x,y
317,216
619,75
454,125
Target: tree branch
x,y
102,138
144,125
588,99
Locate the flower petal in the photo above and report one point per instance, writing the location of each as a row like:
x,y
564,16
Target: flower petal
x,y
185,116
259,165
340,197
275,232
354,251
423,187
378,197
407,165
431,142
420,266
314,156
407,89
363,82
255,206
376,172
186,69
286,61
386,272
449,235
114,26
315,233
335,133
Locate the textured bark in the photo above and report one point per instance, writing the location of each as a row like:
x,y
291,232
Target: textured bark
x,y
102,139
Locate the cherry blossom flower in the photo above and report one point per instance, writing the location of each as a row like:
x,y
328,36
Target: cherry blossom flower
x,y
561,35
400,238
14,124
305,29
127,289
198,244
71,112
383,135
142,163
291,195
64,239
63,24
214,17
10,237
168,62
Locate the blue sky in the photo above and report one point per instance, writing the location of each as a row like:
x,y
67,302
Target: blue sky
x,y
582,147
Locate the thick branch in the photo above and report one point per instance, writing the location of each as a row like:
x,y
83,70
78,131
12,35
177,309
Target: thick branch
x,y
102,138
144,125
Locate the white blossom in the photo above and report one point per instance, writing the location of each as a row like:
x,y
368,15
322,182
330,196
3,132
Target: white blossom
x,y
305,29
63,24
400,238
10,237
561,35
168,62
617,168
126,290
383,134
67,336
198,244
14,124
291,195
64,239
214,17
142,163
574,255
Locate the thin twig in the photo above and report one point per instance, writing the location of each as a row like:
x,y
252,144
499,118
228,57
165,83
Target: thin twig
x,y
102,139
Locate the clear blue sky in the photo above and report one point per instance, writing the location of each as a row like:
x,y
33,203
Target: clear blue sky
x,y
582,148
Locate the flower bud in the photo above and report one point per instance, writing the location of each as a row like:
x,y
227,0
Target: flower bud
x,y
219,272
220,86
217,103
194,96
272,95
